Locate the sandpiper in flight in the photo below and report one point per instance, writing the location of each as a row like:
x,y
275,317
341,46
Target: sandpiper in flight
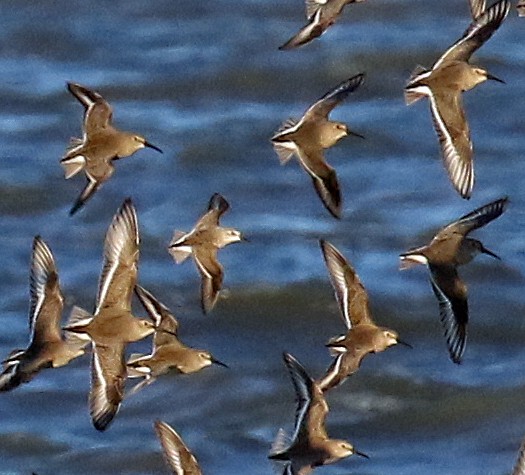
x,y
308,137
310,445
47,348
177,456
100,146
363,336
112,326
321,14
168,351
450,76
449,249
202,242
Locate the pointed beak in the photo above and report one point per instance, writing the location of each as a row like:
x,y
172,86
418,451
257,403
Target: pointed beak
x,y
361,454
154,147
355,134
244,238
218,362
494,78
404,343
484,250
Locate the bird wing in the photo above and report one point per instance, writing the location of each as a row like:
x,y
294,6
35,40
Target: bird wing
x,y
325,104
324,178
477,8
477,218
343,365
311,411
89,190
211,275
177,455
108,375
349,291
454,137
216,208
47,301
451,293
158,312
98,112
479,31
312,6
121,253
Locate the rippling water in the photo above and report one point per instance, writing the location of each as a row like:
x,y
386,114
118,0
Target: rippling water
x,y
206,83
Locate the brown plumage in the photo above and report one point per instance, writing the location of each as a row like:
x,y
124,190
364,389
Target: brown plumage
x,y
451,247
202,242
363,336
100,146
444,84
308,137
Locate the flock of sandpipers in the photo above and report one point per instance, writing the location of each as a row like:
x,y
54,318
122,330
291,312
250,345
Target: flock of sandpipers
x,y
112,325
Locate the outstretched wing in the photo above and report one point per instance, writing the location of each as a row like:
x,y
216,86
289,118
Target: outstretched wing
x,y
451,293
108,375
178,457
454,137
325,104
349,291
97,113
121,253
477,218
479,31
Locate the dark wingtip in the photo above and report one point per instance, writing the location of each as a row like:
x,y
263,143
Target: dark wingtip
x,y
78,204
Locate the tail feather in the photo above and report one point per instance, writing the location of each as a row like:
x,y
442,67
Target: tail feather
x,y
178,251
409,260
78,319
280,445
10,378
73,165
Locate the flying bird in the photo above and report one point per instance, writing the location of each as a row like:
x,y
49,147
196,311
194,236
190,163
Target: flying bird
x,y
202,242
308,137
444,84
310,445
451,247
168,352
48,347
100,145
321,14
363,336
112,326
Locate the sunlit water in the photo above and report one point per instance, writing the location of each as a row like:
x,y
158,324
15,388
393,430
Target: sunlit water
x,y
205,82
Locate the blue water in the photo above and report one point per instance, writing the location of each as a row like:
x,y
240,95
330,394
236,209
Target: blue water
x,y
205,82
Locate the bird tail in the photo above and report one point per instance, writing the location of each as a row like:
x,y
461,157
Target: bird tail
x,y
279,446
11,377
73,165
78,319
178,251
410,259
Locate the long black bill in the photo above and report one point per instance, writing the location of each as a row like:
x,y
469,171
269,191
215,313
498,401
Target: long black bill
x,y
494,78
154,147
218,362
484,250
404,343
361,454
355,134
